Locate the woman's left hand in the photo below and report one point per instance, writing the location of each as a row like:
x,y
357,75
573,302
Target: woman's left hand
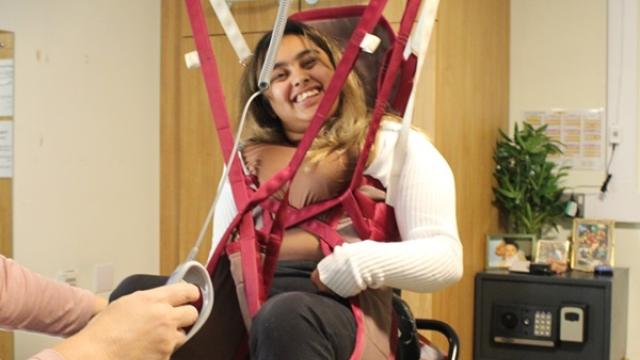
x,y
315,279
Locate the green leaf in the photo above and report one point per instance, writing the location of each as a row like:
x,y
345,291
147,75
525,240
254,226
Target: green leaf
x,y
528,187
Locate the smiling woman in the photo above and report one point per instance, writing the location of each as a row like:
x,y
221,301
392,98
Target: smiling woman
x,y
333,280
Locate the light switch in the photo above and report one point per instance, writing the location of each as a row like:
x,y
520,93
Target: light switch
x,y
69,276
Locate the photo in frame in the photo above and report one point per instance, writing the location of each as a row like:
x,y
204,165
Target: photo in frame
x,y
552,250
592,244
503,250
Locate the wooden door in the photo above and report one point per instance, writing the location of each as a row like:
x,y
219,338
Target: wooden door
x,y
6,206
472,102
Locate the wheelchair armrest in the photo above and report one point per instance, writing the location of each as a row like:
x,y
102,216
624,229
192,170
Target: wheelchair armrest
x,y
444,329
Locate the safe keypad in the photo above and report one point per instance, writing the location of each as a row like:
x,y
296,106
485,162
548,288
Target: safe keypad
x,y
542,323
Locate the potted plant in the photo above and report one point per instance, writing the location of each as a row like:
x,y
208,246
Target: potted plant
x,y
528,189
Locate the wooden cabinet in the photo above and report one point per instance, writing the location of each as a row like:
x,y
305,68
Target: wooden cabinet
x,y
462,101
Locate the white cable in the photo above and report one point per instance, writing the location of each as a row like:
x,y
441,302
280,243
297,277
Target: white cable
x,y
196,248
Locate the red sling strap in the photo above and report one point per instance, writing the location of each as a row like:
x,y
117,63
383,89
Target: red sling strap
x,y
348,199
221,118
256,282
221,121
350,202
250,258
297,216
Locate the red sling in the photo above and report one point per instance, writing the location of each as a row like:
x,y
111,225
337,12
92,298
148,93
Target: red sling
x,y
371,220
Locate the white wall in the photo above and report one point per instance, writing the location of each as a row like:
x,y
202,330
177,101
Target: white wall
x,y
558,60
86,137
626,253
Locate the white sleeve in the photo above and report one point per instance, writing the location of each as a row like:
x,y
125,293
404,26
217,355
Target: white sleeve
x,y
429,257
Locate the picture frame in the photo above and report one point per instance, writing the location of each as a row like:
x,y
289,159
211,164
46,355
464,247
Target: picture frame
x,y
592,243
552,250
505,249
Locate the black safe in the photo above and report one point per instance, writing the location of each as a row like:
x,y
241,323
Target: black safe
x,y
529,317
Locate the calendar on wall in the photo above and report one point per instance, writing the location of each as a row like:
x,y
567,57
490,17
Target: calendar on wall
x,y
580,133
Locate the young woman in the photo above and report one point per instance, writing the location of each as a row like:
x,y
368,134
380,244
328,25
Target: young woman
x,y
307,315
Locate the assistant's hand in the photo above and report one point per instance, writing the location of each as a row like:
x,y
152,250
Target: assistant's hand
x,y
144,325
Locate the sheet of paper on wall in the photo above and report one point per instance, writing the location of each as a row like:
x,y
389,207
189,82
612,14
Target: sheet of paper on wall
x,y
6,87
580,133
6,149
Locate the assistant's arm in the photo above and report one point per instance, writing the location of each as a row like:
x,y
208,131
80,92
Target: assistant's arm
x,y
29,301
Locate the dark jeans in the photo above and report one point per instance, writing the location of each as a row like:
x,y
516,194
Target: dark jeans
x,y
299,323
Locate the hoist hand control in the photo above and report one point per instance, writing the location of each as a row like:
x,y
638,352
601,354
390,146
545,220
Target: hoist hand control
x,y
195,273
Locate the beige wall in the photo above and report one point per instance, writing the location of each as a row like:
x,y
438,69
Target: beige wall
x,y
626,253
86,137
558,60
638,95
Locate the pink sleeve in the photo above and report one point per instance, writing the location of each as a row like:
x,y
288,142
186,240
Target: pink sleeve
x,y
29,301
47,355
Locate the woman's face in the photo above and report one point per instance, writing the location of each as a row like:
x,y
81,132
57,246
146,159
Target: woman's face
x,y
300,78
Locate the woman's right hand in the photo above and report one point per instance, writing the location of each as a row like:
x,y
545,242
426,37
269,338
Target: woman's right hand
x,y
144,325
